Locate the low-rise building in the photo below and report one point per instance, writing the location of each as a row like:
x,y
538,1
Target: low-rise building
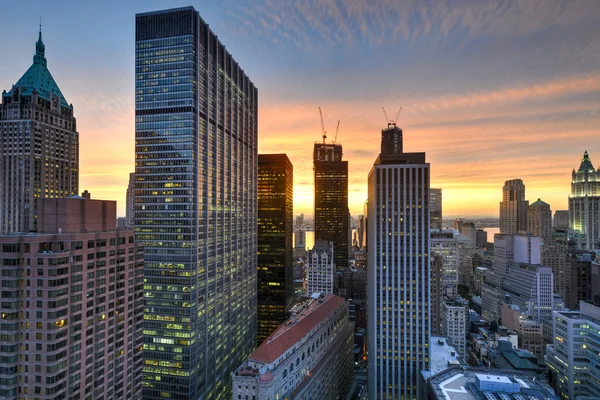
x,y
455,324
310,356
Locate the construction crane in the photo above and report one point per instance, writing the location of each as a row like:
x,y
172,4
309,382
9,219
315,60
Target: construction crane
x,y
323,126
391,122
336,132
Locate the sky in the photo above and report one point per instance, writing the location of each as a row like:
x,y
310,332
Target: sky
x,y
490,90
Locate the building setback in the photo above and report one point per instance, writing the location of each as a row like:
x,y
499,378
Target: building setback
x,y
196,206
72,305
584,205
332,216
40,146
398,270
310,356
513,207
275,228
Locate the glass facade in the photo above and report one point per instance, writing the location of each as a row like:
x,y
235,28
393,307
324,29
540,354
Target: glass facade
x,y
332,216
275,225
195,206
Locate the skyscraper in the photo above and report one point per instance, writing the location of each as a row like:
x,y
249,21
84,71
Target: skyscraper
x,y
513,207
130,202
584,205
331,199
539,220
40,150
398,271
435,208
196,206
561,220
275,228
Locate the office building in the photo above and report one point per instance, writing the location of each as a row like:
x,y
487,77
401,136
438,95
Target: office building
x,y
513,207
573,357
435,208
398,270
561,220
455,324
458,223
310,356
555,254
275,224
468,229
481,238
539,220
40,146
584,205
130,203
578,278
320,268
332,216
437,293
74,329
530,331
196,205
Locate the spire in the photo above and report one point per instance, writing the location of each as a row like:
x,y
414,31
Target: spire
x,y
40,49
586,164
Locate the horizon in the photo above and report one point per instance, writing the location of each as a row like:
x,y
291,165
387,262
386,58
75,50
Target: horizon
x,y
487,96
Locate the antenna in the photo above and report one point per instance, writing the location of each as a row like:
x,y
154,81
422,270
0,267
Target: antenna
x,y
323,126
336,132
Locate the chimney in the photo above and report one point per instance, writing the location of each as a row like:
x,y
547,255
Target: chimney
x,y
86,195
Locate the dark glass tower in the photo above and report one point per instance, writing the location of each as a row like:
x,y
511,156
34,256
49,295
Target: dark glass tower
x,y
275,228
39,155
195,206
331,199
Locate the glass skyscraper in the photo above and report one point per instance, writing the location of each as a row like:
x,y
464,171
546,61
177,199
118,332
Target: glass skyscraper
x,y
275,228
195,206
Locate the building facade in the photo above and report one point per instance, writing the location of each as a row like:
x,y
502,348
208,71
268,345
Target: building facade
x,y
435,208
332,217
561,220
584,205
539,220
398,270
275,228
40,147
311,356
513,207
455,324
320,268
72,305
578,279
574,357
196,205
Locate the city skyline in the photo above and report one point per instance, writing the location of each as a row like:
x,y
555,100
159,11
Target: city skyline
x,y
488,96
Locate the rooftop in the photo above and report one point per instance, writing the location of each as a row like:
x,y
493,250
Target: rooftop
x,y
461,384
309,314
442,355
